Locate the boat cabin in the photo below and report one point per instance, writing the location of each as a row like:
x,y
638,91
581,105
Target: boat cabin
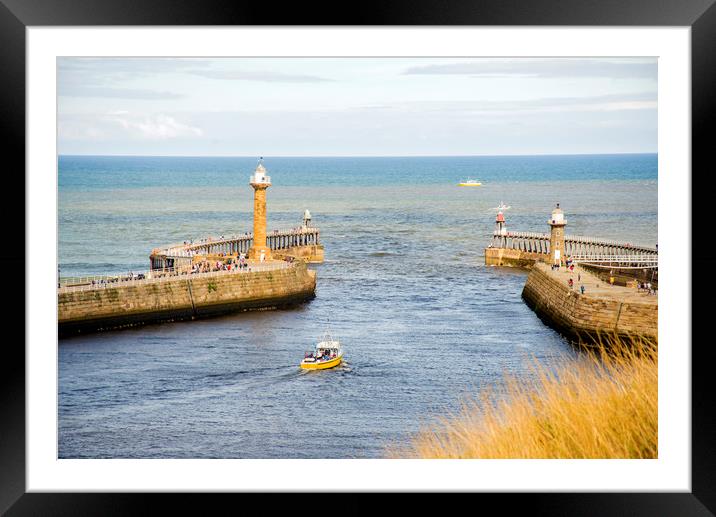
x,y
324,353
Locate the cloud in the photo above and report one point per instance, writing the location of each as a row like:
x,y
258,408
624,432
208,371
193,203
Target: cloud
x,y
259,75
160,127
107,77
543,68
121,125
610,102
117,93
356,132
70,130
100,77
121,68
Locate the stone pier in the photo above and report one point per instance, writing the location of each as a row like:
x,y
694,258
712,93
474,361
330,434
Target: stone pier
x,y
197,280
182,297
301,243
608,270
524,249
602,310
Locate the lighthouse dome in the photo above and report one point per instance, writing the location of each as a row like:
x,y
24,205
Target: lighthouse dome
x,y
260,177
557,216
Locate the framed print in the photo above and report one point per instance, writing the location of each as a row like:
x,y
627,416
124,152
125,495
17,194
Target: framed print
x,y
427,204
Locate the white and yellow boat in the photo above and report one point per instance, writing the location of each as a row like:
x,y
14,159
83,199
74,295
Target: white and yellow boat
x,y
328,354
469,183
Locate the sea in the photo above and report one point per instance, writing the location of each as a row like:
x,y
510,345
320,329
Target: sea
x,y
425,325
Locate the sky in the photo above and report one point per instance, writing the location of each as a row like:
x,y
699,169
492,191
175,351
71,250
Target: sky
x,y
356,106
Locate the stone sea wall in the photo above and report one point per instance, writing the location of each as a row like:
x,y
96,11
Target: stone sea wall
x,y
512,258
182,298
311,253
583,316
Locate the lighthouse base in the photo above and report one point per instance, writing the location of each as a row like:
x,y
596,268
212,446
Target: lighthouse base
x,y
260,253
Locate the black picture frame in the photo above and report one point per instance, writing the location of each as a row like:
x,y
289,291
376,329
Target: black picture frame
x,y
17,15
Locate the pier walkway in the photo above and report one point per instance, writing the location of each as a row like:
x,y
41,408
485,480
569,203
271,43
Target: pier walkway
x,y
277,240
609,272
595,287
643,261
178,297
148,277
169,257
603,310
533,242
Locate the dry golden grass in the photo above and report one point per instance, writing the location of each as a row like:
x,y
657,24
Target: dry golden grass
x,y
601,407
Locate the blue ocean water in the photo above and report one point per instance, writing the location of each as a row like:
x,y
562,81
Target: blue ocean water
x,y
423,321
110,172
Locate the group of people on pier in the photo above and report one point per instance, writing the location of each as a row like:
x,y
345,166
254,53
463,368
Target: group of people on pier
x,y
567,262
645,287
206,266
570,283
102,282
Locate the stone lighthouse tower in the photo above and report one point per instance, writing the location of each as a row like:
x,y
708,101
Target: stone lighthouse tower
x,y
556,236
260,181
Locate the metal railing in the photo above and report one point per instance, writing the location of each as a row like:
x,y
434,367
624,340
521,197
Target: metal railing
x,y
191,248
618,261
608,243
522,235
577,239
108,282
106,278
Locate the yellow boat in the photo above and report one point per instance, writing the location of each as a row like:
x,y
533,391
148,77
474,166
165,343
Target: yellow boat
x,y
328,354
469,183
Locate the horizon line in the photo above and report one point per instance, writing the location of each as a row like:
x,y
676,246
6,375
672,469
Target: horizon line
x,y
354,156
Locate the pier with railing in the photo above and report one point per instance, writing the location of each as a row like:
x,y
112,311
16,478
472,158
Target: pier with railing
x,y
303,241
100,303
575,246
582,286
194,279
133,279
277,240
524,249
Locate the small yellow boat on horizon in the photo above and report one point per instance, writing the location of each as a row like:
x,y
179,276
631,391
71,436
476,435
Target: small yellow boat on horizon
x,y
328,354
469,183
